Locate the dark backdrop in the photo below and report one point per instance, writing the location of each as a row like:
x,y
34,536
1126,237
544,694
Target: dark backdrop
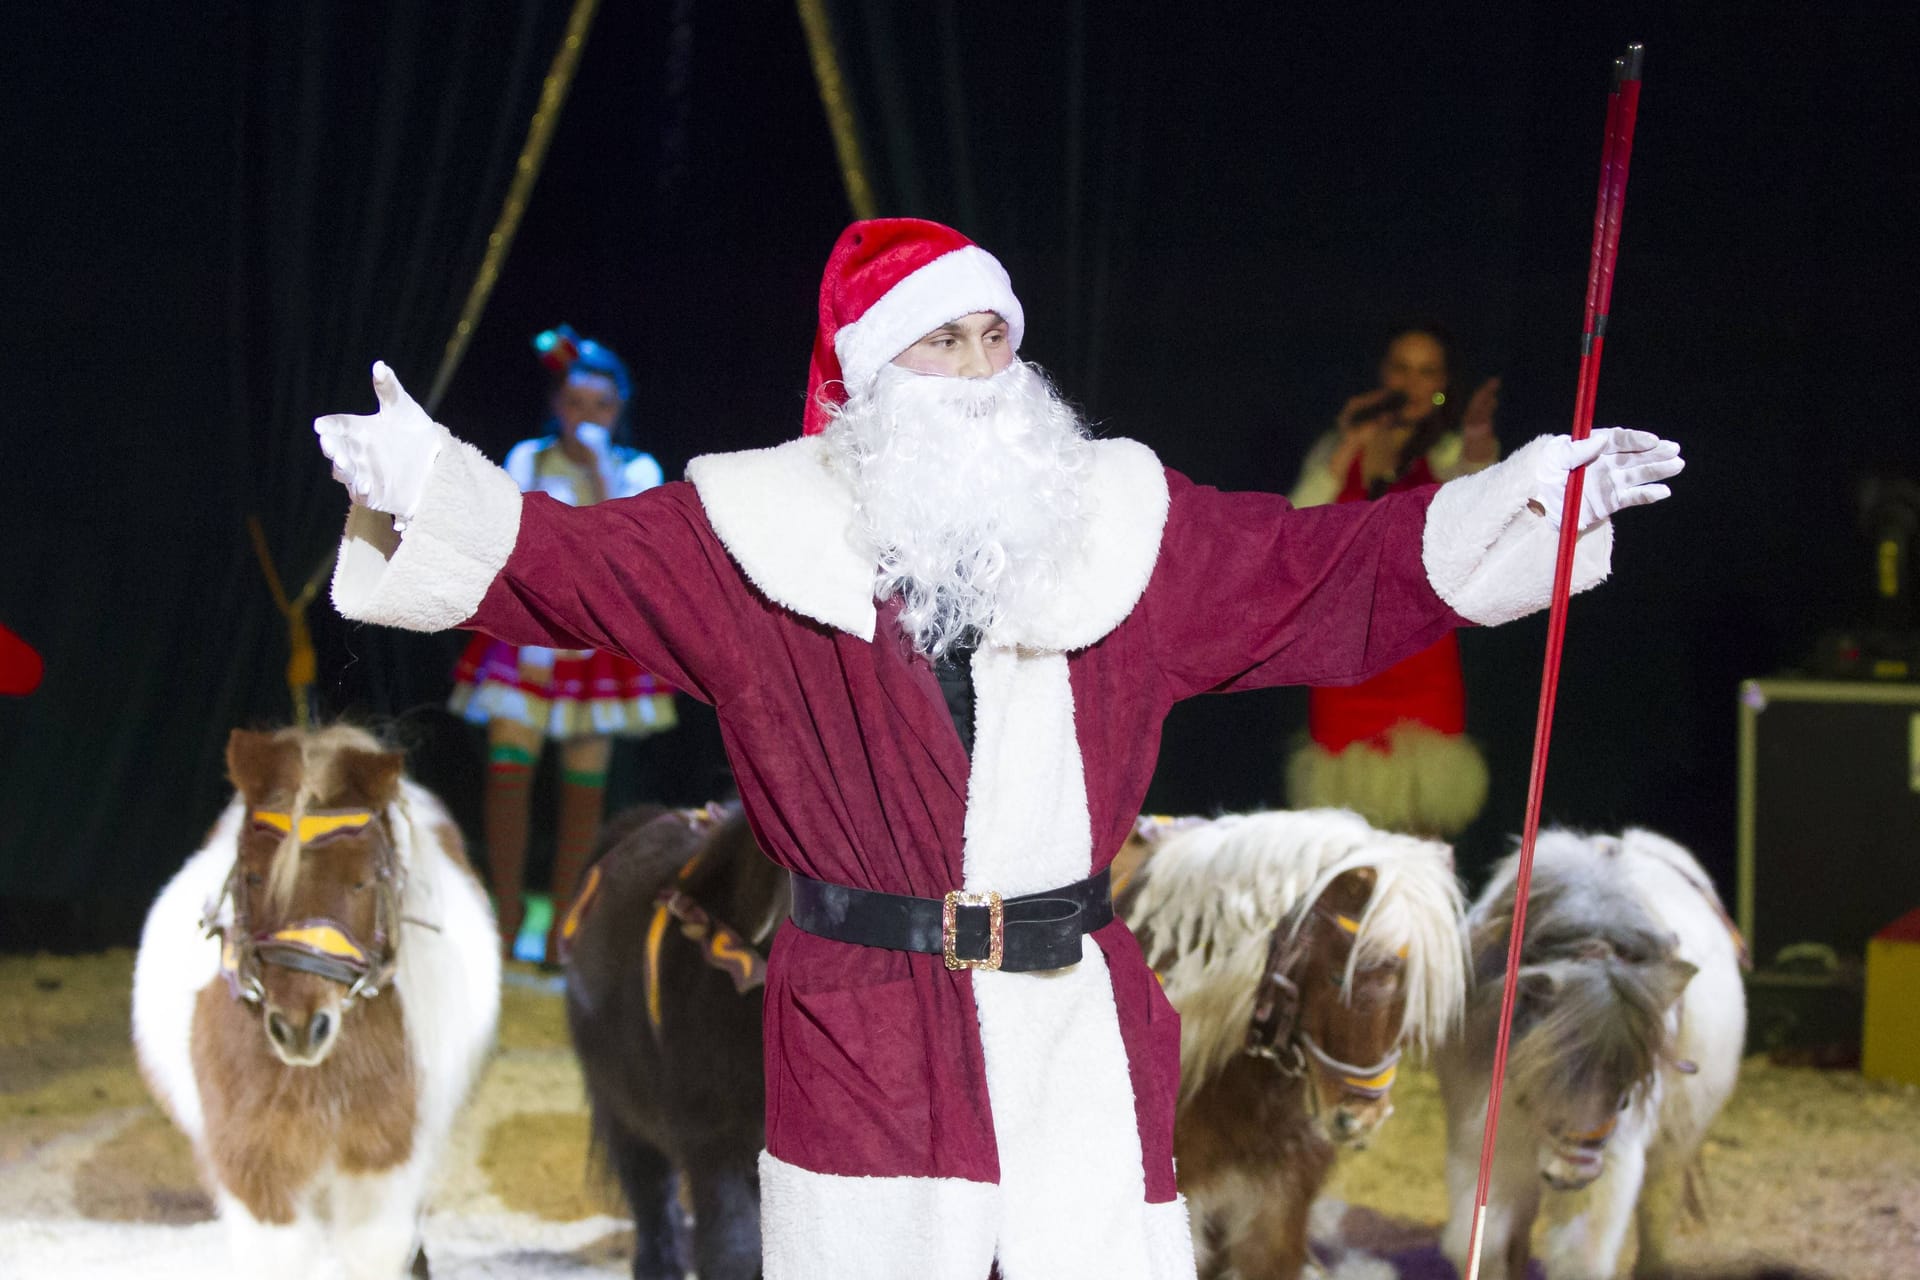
x,y
218,218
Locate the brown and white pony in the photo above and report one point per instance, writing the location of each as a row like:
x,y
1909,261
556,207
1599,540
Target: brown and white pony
x,y
313,996
1627,1032
1303,951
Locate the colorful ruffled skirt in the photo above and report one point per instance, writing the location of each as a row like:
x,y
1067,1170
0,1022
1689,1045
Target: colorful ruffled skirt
x,y
1394,748
561,693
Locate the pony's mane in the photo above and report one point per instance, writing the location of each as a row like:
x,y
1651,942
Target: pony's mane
x,y
1611,965
653,854
1212,896
320,751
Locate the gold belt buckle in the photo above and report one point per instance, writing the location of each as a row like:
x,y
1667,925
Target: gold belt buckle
x,y
996,928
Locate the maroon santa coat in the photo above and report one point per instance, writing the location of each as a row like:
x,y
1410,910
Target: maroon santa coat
x,y
920,1121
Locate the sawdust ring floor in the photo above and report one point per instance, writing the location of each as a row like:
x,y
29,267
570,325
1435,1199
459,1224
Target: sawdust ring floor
x,y
1813,1170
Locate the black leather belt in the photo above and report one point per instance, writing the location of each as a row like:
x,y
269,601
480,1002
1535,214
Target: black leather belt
x,y
971,930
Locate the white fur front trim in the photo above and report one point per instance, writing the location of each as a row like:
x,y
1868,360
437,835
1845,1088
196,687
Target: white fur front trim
x,y
1027,827
826,1226
1490,556
785,515
953,285
1073,1187
1169,1240
435,576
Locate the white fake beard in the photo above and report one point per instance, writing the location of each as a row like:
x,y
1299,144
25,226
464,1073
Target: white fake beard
x,y
968,495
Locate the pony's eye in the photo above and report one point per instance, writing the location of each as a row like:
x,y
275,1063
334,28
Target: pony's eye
x,y
254,880
1625,1098
362,886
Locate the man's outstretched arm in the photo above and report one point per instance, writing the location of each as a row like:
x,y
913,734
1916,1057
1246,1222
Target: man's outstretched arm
x,y
1251,592
440,537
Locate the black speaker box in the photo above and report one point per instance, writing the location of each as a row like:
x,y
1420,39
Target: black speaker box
x,y
1829,822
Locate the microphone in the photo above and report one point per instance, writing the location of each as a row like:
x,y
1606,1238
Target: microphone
x,y
1392,402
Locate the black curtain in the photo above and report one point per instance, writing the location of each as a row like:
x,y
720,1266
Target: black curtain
x,y
230,207
1024,127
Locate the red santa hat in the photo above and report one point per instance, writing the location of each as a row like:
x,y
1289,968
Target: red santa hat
x,y
889,282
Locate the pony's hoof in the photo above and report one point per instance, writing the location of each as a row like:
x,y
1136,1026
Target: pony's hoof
x,y
419,1268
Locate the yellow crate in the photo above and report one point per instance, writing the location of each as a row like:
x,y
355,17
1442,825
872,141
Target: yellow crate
x,y
1891,1044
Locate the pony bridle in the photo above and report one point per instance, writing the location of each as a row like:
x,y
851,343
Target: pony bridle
x,y
320,946
1275,1033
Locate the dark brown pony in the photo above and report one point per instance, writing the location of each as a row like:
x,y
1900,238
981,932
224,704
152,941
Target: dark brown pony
x,y
664,963
1302,950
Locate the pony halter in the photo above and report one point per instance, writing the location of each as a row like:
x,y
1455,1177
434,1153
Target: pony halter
x,y
1275,1033
320,946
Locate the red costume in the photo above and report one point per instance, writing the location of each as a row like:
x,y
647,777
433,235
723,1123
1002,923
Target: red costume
x,y
1393,747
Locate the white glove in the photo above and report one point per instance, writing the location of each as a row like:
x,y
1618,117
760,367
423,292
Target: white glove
x,y
1625,468
384,458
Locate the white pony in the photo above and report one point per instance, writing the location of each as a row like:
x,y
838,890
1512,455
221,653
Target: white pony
x,y
314,994
1628,1027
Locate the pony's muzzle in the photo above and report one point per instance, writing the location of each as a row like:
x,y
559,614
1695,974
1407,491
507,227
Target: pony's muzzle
x,y
1351,1125
1573,1170
302,1042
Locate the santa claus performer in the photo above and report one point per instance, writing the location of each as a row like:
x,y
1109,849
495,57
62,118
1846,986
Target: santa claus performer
x,y
951,1084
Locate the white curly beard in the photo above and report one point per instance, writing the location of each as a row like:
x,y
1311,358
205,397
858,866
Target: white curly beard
x,y
968,495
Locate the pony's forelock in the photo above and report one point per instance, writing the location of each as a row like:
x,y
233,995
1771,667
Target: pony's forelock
x,y
1212,896
1604,1032
1608,961
319,749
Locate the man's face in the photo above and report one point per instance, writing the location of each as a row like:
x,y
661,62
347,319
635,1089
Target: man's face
x,y
974,346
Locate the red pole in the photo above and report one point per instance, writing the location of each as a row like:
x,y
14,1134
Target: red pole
x,y
1623,108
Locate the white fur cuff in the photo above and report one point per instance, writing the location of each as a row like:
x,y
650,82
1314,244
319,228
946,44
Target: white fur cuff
x,y
435,576
1490,556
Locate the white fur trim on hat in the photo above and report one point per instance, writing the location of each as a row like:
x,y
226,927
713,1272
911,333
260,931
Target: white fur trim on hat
x,y
953,285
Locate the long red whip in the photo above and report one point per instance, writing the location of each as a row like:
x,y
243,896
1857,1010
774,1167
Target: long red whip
x,y
1623,108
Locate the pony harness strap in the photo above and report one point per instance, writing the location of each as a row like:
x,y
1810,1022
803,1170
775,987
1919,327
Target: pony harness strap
x,y
1276,1005
323,947
721,947
701,821
1274,1032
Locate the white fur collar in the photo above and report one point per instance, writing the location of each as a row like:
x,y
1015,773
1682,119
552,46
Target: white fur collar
x,y
783,514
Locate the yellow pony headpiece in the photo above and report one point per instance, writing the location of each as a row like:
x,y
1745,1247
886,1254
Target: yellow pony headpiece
x,y
314,826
